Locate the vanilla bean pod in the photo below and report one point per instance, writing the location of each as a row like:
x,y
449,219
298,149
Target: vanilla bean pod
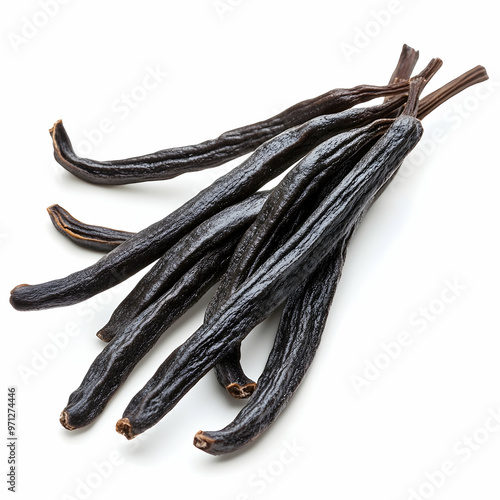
x,y
229,372
287,206
169,163
299,333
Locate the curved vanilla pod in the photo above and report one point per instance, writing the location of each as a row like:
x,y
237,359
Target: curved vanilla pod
x,y
227,224
88,236
268,161
297,339
169,163
287,206
116,361
324,165
267,230
281,273
228,371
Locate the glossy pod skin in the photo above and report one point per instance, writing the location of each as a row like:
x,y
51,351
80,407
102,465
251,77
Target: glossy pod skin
x,y
298,337
169,163
146,246
226,224
102,239
229,371
116,361
253,422
273,281
287,206
287,198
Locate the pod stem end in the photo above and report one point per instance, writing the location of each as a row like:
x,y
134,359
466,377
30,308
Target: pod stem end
x,y
202,442
123,426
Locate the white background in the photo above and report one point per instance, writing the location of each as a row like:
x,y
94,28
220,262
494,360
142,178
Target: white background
x,y
221,65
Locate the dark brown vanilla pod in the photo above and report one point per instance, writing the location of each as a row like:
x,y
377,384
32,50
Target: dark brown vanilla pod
x,y
169,163
98,238
226,224
112,366
298,337
296,185
327,164
229,372
270,160
287,206
272,282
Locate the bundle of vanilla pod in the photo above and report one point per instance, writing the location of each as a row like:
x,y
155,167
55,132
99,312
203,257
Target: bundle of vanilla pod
x,y
266,249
